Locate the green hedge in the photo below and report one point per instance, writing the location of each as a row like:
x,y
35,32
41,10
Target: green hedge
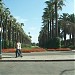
x,y
10,44
6,43
54,43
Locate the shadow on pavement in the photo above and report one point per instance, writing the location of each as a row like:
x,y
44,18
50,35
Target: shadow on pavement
x,y
69,70
8,57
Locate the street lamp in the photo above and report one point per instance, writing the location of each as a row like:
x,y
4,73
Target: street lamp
x,y
0,42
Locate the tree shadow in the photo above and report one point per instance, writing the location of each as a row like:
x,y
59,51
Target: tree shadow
x,y
66,71
8,57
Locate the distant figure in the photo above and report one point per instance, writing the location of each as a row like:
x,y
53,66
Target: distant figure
x,y
18,49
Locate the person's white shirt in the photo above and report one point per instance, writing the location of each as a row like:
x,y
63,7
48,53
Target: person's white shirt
x,y
18,45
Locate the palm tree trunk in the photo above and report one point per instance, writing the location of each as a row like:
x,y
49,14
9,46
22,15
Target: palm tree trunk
x,y
6,32
56,18
52,26
73,38
48,29
65,36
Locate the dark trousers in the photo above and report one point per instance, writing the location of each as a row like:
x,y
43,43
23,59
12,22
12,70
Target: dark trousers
x,y
18,53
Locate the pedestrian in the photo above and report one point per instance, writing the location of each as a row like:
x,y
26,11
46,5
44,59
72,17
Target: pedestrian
x,y
18,49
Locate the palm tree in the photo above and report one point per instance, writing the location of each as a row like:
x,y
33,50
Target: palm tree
x,y
72,21
50,8
11,29
13,32
50,17
58,5
1,11
46,22
1,16
67,22
64,18
5,25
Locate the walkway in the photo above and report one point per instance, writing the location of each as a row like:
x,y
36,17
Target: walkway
x,y
40,56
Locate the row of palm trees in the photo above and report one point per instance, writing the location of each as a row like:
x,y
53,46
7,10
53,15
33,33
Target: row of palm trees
x,y
12,30
67,26
55,25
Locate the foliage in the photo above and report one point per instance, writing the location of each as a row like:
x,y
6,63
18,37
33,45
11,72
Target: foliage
x,y
26,46
54,43
72,47
12,30
57,42
6,43
10,44
33,44
50,30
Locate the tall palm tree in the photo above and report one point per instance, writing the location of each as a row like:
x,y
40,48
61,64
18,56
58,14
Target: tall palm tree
x,y
11,29
64,18
71,18
5,25
67,23
50,17
1,18
50,11
58,5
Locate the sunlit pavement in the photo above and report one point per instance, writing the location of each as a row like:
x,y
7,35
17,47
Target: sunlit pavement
x,y
35,56
60,63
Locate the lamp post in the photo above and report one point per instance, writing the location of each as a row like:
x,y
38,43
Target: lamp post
x,y
1,42
0,36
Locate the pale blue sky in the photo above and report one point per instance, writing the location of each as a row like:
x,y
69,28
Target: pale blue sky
x,y
30,11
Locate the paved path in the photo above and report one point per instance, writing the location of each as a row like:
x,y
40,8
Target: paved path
x,y
41,56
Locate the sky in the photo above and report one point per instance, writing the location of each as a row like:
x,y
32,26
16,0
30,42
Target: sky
x,y
30,13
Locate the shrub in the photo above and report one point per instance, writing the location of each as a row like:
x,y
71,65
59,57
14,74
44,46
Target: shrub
x,y
6,43
26,45
72,47
22,45
54,43
10,44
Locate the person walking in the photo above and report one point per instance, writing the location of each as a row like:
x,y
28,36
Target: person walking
x,y
18,49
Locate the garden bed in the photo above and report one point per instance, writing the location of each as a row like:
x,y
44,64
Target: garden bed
x,y
59,49
23,50
34,50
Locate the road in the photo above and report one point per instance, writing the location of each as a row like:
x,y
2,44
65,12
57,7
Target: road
x,y
37,68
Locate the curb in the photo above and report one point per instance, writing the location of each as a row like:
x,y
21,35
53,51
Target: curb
x,y
37,60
